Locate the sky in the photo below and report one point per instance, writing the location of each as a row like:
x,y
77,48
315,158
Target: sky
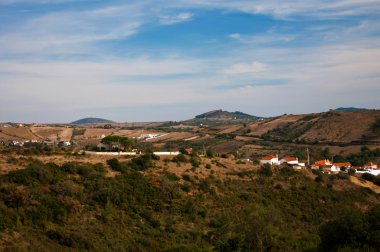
x,y
158,60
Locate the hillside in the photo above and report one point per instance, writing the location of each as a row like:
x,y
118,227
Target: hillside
x,y
192,204
332,126
91,120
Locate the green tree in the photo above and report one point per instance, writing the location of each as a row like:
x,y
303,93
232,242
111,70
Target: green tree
x,y
119,141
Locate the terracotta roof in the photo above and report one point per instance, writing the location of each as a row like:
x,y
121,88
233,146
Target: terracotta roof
x,y
270,157
288,159
189,150
323,162
370,164
346,164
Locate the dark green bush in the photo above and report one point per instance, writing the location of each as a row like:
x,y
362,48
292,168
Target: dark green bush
x,y
266,170
143,162
180,159
172,176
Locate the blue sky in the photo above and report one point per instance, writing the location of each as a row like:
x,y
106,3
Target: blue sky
x,y
170,60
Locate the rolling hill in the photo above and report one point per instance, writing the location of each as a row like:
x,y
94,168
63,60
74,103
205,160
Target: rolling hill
x,y
91,120
333,126
221,116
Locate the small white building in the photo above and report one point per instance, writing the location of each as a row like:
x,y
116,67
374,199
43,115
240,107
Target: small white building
x,y
289,160
167,153
272,160
347,165
331,169
370,166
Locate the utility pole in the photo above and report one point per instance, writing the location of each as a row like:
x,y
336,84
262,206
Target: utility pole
x,y
308,156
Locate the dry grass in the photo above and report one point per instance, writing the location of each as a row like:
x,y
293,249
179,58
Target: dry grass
x,y
366,184
261,127
20,132
343,126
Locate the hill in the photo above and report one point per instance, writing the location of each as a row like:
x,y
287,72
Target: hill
x,y
91,120
350,109
220,117
225,115
333,126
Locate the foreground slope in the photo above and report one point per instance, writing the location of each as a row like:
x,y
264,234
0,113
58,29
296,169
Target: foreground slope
x,y
145,207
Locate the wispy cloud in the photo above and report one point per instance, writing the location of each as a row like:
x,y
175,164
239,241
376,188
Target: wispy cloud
x,y
246,68
177,18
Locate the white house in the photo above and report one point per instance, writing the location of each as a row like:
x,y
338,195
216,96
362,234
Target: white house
x,y
370,166
331,169
272,160
289,160
347,165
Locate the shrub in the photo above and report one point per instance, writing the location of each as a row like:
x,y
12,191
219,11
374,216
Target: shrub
x,y
319,178
143,162
210,153
195,161
369,177
266,170
186,177
70,239
287,170
342,176
208,166
179,159
36,172
172,176
70,167
116,165
351,171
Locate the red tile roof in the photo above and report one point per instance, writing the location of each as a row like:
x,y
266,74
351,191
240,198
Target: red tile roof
x,y
346,164
270,157
322,162
370,164
288,159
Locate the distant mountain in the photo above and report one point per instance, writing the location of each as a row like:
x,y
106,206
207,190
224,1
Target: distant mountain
x,y
350,109
225,115
91,120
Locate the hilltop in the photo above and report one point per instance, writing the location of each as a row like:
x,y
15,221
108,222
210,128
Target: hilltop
x,y
349,109
91,120
220,116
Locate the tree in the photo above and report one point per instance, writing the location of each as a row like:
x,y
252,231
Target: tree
x,y
326,153
351,171
266,169
119,141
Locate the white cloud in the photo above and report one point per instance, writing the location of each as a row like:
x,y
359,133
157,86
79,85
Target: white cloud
x,y
246,68
174,19
287,9
235,36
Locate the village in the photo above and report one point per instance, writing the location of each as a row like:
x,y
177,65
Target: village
x,y
325,165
